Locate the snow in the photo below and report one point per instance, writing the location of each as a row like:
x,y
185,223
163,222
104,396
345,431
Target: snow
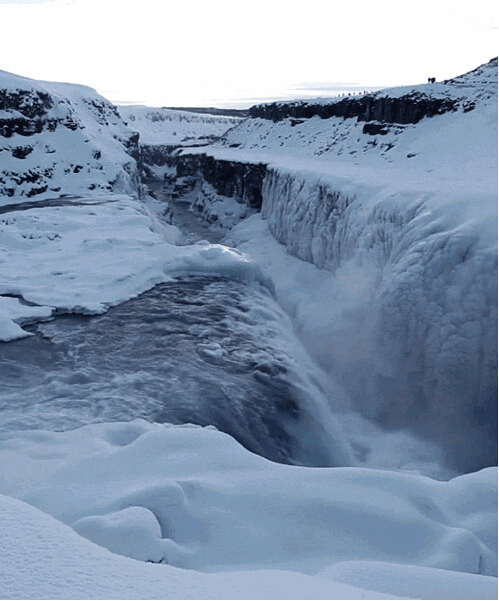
x,y
414,581
44,559
97,253
193,498
84,511
162,126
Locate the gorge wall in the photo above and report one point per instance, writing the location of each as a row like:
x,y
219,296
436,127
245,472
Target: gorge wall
x,y
240,180
419,352
62,139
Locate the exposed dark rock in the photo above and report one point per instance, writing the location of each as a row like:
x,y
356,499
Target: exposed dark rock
x,y
21,125
21,152
30,103
410,108
158,154
373,128
228,178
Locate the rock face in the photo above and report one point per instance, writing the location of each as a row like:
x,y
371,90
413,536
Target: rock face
x,y
156,154
62,138
384,107
243,181
410,108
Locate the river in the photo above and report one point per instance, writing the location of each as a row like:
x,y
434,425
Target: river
x,y
201,350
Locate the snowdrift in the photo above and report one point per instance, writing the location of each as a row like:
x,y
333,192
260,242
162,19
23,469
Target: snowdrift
x,y
193,498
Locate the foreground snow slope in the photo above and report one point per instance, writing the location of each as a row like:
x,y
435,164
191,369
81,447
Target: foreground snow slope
x,y
193,498
404,217
60,138
69,567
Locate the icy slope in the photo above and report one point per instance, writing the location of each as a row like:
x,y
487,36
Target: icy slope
x,y
193,498
60,138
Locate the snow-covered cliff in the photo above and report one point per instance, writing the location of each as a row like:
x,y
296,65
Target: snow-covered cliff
x,y
62,139
163,130
413,206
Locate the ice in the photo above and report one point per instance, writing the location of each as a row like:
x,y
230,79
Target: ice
x,y
193,498
86,257
12,312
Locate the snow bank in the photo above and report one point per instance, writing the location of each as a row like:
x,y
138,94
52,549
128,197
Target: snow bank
x,y
193,498
412,581
95,253
69,567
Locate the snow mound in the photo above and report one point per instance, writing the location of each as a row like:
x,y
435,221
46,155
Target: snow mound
x,y
412,581
192,498
188,494
69,567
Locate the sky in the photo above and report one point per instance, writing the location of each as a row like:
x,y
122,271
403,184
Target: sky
x,y
233,53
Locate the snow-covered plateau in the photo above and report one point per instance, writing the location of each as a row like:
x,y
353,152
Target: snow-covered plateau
x,y
273,376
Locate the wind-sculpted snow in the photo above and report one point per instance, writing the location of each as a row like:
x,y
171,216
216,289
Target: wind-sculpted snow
x,y
193,498
62,139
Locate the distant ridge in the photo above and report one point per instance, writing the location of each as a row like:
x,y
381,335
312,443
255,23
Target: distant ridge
x,y
211,111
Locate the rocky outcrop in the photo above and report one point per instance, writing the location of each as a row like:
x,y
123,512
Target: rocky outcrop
x,y
62,138
385,106
239,180
410,108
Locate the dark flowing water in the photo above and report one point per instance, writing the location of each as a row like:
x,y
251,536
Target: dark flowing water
x,y
190,351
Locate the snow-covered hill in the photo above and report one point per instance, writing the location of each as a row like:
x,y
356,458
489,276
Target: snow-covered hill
x,y
59,139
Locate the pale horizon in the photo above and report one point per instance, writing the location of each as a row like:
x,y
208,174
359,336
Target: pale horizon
x,y
225,54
